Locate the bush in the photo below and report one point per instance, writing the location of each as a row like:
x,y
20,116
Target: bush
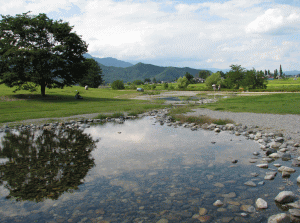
x,y
117,85
153,86
165,86
182,83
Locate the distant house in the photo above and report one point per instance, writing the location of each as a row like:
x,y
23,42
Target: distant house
x,y
198,80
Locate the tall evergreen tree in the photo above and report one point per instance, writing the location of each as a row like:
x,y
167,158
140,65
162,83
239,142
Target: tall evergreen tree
x,y
280,71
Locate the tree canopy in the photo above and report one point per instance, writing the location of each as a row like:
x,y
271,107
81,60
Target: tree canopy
x,y
92,77
39,50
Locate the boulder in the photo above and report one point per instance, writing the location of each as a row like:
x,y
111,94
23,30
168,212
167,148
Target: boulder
x,y
261,204
285,197
279,218
286,169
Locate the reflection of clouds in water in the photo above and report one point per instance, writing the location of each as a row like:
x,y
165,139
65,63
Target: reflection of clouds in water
x,y
141,145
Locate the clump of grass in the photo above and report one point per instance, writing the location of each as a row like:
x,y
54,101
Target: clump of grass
x,y
114,115
200,120
181,109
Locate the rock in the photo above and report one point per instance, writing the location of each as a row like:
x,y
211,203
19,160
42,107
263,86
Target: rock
x,y
263,165
298,179
219,185
275,145
295,204
268,159
218,203
286,157
285,197
234,161
217,130
163,220
256,153
295,212
270,151
254,174
279,218
250,183
229,126
248,208
202,211
261,204
285,174
277,164
296,162
230,195
270,175
286,169
274,155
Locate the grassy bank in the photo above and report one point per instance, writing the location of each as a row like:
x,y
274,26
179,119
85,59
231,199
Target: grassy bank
x,y
24,105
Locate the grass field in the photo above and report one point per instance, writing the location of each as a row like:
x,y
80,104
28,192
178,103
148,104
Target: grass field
x,y
25,105
287,103
61,103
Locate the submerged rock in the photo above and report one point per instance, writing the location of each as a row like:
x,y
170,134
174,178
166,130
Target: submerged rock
x,y
279,218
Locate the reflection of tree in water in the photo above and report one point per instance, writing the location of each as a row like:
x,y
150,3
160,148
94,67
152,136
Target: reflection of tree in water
x,y
45,165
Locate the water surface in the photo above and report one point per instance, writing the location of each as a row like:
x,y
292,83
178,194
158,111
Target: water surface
x,y
139,171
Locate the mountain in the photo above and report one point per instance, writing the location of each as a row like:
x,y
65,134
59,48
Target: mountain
x,y
292,73
141,71
109,61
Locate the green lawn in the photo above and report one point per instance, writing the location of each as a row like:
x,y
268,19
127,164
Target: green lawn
x,y
287,103
61,103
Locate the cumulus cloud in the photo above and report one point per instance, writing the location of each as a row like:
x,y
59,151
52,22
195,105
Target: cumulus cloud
x,y
281,20
200,34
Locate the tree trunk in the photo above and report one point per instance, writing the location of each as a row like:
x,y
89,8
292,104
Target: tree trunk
x,y
43,89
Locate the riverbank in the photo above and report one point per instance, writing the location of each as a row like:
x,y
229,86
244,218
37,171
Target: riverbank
x,y
288,125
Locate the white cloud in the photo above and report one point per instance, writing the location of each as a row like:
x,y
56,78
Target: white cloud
x,y
276,20
200,34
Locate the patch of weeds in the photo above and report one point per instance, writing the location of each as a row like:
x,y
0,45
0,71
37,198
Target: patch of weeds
x,y
219,109
200,120
101,116
151,92
117,115
222,121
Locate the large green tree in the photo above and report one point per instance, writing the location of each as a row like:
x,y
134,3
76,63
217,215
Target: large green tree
x,y
235,76
39,50
92,77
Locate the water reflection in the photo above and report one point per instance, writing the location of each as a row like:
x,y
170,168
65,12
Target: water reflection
x,y
44,164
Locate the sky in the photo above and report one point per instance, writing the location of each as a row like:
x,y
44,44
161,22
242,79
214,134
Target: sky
x,y
260,34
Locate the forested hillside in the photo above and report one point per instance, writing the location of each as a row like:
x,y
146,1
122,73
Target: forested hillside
x,y
142,71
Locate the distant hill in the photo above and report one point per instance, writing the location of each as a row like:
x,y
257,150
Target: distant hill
x,y
292,73
142,71
109,61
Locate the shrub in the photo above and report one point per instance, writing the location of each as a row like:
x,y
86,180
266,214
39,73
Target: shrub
x,y
117,85
165,86
153,86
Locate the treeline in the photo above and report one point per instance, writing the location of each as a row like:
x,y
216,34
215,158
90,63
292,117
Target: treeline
x,y
238,77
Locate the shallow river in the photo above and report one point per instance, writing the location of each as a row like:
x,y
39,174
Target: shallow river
x,y
139,171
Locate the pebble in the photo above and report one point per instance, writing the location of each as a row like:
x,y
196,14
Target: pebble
x,y
218,203
261,204
263,165
250,183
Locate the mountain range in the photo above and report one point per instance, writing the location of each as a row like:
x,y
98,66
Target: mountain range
x,y
114,69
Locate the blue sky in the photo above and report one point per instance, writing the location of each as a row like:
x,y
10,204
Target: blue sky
x,y
201,34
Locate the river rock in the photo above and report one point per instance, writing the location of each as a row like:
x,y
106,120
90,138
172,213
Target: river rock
x,y
295,204
218,203
298,179
248,208
250,183
261,204
285,197
296,162
263,165
274,155
286,157
285,174
270,151
279,218
295,212
270,175
286,169
275,145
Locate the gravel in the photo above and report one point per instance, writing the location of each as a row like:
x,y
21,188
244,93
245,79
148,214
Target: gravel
x,y
289,125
